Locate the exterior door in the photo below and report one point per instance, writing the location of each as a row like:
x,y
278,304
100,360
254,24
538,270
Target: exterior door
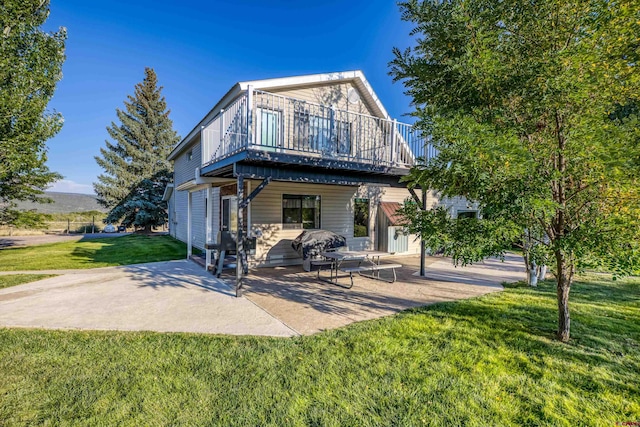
x,y
269,129
229,214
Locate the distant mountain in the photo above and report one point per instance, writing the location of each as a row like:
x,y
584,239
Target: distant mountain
x,y
64,203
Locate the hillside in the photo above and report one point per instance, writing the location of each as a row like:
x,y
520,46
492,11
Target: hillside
x,y
64,203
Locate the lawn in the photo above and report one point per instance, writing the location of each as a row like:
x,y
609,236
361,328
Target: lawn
x,y
19,279
92,253
485,361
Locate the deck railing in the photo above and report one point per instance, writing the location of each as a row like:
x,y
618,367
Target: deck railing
x,y
268,122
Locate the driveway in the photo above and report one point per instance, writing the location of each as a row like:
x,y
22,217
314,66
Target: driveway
x,y
175,296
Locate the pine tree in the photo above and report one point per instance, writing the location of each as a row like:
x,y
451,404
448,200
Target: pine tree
x,y
135,164
30,67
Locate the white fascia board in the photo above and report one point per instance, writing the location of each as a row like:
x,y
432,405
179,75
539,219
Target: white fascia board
x,y
168,190
356,76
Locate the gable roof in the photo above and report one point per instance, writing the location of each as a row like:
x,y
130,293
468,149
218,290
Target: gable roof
x,y
390,210
356,77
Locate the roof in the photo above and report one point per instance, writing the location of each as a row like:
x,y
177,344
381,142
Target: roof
x,y
357,77
389,209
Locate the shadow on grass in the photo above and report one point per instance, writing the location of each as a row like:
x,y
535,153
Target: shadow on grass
x,y
523,320
128,249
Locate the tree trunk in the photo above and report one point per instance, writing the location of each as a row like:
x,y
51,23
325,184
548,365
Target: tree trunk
x,y
564,277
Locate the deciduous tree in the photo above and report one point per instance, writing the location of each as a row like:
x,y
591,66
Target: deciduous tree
x,y
521,99
30,67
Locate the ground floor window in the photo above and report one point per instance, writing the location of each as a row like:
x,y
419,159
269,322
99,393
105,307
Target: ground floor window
x,y
467,214
361,218
300,212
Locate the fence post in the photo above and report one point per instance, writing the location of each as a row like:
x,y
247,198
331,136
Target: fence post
x,y
93,224
68,226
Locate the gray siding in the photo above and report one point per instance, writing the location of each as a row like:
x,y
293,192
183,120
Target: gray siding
x,y
184,170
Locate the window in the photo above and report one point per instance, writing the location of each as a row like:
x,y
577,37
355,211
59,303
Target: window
x,y
467,214
300,212
361,218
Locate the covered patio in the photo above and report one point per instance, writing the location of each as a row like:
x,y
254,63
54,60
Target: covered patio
x,y
307,305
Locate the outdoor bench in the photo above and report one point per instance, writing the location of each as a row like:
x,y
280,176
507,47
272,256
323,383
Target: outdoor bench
x,y
374,269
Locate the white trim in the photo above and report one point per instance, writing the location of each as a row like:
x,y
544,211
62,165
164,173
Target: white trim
x,y
168,191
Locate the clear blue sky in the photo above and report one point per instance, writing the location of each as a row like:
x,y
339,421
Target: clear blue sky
x,y
199,50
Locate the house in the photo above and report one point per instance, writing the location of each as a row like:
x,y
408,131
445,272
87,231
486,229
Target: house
x,y
275,157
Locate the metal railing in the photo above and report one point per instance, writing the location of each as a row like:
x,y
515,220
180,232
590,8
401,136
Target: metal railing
x,y
287,125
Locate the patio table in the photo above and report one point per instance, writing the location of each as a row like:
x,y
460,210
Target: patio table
x,y
338,259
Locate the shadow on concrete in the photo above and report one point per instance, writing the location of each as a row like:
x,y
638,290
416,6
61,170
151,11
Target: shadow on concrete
x,y
176,274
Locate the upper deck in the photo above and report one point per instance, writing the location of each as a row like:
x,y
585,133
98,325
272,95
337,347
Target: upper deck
x,y
270,130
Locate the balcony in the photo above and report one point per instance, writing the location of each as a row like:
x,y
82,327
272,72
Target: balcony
x,y
265,128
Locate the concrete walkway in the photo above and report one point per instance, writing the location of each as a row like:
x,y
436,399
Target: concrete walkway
x,y
175,296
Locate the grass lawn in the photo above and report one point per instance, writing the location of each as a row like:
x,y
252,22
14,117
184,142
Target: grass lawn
x,y
92,253
19,279
488,361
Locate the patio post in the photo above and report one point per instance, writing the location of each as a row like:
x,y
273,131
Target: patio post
x,y
189,202
209,219
240,255
423,247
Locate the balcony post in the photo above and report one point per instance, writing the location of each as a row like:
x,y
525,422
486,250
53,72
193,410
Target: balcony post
x,y
221,136
249,115
393,141
204,147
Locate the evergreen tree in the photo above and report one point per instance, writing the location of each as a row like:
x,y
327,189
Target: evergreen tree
x,y
30,67
135,164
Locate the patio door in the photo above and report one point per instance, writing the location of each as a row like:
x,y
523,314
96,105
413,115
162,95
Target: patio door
x,y
269,129
229,214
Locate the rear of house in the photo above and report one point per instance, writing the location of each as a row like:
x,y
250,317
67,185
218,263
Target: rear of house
x,y
275,157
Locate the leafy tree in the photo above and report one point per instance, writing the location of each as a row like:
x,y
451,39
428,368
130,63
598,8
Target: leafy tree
x,y
135,165
30,67
518,97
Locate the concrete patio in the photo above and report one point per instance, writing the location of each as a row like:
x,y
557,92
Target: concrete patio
x,y
308,306
179,296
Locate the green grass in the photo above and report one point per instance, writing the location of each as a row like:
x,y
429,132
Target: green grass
x,y
92,253
19,279
488,361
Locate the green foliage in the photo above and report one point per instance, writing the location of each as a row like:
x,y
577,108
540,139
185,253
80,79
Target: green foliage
x,y
488,361
88,228
30,67
143,206
135,165
518,98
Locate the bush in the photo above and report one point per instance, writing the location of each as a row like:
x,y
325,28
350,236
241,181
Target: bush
x,y
88,229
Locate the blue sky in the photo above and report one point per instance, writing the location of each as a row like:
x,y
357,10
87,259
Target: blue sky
x,y
199,50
